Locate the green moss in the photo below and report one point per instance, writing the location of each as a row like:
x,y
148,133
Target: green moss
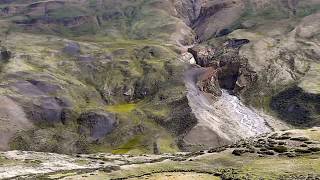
x,y
122,108
278,166
167,145
132,144
62,175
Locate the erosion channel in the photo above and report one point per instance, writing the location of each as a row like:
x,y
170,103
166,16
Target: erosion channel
x,y
213,84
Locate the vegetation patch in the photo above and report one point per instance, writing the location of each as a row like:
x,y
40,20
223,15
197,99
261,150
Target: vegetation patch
x,y
122,108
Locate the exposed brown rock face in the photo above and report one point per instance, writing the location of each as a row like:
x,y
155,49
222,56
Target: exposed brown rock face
x,y
226,69
203,55
209,81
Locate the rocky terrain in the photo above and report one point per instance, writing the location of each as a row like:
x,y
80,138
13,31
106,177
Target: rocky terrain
x,y
156,77
292,154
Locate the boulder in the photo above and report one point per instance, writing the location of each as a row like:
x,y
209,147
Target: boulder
x,y
96,125
202,55
280,149
26,88
72,49
45,86
238,152
228,70
5,55
237,43
299,139
187,58
48,110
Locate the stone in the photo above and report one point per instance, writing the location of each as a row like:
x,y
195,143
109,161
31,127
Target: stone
x,y
95,125
26,88
280,149
282,143
45,86
5,55
188,58
237,43
202,55
238,152
290,154
283,137
308,142
302,151
299,139
86,58
270,153
72,49
48,110
314,149
219,149
270,141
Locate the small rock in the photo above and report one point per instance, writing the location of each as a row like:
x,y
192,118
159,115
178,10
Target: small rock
x,y
282,143
273,136
5,55
238,152
314,149
251,150
271,153
289,154
283,137
302,151
270,141
263,149
280,149
308,142
72,48
220,149
299,139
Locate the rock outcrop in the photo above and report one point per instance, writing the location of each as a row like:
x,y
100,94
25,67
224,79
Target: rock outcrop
x,y
96,125
227,69
5,55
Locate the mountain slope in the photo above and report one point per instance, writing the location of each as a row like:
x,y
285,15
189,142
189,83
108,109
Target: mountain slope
x,y
76,66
